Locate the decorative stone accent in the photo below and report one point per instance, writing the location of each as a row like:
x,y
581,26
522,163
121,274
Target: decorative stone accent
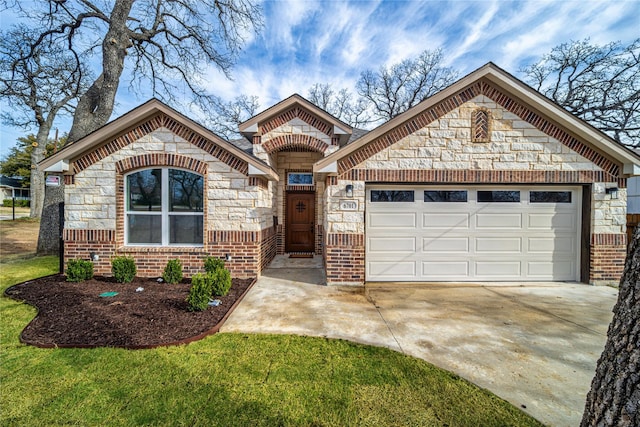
x,y
481,125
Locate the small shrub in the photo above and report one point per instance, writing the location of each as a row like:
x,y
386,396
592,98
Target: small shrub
x,y
20,203
200,292
123,269
221,282
79,270
173,272
212,264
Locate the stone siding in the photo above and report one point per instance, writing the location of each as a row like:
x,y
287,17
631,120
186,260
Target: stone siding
x,y
297,126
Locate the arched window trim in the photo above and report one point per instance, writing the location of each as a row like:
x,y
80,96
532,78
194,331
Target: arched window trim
x,y
165,214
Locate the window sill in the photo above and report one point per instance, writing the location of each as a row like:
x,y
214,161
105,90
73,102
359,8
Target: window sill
x,y
161,249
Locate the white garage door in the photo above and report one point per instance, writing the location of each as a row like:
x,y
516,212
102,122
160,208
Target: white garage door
x,y
472,233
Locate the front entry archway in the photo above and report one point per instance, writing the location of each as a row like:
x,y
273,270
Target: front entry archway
x,y
300,222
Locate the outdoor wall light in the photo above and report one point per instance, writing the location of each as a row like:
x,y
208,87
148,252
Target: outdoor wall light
x,y
612,191
349,190
94,256
227,257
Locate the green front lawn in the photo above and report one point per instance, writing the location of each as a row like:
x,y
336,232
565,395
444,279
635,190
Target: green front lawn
x,y
227,380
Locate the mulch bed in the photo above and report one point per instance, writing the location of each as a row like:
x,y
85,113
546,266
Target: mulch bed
x,y
74,315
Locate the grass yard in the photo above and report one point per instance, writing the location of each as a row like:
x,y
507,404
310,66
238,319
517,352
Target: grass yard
x,y
228,380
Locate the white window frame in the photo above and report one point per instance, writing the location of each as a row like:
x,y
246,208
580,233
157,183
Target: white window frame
x,y
164,212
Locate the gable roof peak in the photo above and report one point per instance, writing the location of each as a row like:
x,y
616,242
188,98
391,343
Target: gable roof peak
x,y
252,126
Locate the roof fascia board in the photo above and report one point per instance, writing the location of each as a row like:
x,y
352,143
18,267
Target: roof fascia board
x,y
330,168
61,166
271,175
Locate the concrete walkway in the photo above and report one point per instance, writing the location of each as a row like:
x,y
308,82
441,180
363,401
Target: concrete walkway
x,y
535,345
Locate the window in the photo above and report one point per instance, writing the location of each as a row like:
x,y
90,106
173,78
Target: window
x,y
445,196
550,197
164,207
391,196
299,178
499,196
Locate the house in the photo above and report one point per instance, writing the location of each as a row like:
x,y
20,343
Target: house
x,y
485,181
12,188
633,192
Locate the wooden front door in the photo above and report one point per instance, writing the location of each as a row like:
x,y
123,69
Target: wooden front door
x,y
301,215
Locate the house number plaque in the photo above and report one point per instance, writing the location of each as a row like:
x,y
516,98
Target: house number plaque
x,y
348,205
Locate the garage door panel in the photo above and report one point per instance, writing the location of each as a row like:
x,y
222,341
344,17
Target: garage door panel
x,y
498,244
448,220
392,270
393,245
555,221
445,244
498,221
552,245
445,269
551,270
498,269
392,220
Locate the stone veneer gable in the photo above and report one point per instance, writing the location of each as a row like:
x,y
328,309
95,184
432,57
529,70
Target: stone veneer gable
x,y
302,114
149,126
454,101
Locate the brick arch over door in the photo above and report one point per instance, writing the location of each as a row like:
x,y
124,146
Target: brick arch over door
x,y
129,164
295,141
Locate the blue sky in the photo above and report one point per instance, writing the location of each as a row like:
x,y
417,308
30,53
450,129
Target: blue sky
x,y
313,41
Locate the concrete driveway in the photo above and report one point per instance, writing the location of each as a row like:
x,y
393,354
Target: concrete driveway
x,y
535,345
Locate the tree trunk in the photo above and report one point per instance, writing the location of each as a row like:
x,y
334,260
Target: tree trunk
x,y
96,105
37,176
614,399
49,234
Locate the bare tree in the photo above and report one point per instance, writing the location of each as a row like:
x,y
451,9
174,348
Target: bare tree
x,y
39,82
341,104
395,89
600,84
614,399
225,116
164,45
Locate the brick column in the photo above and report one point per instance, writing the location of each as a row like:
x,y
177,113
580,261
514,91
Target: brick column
x,y
344,259
608,253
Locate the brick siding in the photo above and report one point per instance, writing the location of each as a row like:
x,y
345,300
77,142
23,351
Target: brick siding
x,y
344,259
608,253
250,252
